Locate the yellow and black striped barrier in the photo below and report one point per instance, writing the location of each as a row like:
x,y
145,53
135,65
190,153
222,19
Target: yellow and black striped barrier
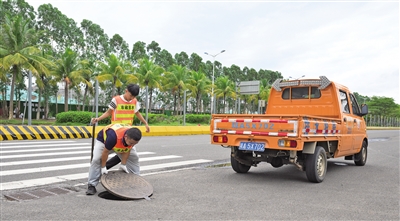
x,y
13,132
43,132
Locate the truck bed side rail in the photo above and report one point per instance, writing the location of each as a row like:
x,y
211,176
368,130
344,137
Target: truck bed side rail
x,y
257,127
315,127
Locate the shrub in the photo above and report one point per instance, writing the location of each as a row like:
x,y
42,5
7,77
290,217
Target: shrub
x,y
82,117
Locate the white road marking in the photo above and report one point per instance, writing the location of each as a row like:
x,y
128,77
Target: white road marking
x,y
44,154
71,166
57,179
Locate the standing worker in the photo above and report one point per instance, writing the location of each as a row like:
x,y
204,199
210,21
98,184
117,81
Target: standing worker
x,y
123,109
118,138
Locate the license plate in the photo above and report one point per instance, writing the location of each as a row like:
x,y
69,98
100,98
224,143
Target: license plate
x,y
252,146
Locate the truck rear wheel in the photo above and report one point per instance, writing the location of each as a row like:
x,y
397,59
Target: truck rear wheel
x,y
316,165
361,158
238,167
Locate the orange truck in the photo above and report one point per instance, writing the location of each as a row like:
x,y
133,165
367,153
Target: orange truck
x,y
306,122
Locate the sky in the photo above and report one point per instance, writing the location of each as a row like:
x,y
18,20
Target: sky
x,y
354,43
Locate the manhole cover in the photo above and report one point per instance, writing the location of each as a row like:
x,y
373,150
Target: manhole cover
x,y
126,185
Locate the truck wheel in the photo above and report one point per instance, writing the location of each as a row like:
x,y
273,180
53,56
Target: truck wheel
x,y
316,165
238,167
361,158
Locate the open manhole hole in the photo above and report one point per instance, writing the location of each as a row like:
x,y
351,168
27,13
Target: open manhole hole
x,y
109,196
125,186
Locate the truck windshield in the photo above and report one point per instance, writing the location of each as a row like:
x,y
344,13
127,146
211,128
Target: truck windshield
x,y
301,93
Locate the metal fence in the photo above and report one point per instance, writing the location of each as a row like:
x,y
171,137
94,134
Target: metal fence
x,y
382,121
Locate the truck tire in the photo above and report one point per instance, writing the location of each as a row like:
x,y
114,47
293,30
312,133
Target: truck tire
x,y
316,165
238,167
361,158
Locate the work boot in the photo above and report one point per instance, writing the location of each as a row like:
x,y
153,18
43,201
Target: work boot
x,y
112,162
91,190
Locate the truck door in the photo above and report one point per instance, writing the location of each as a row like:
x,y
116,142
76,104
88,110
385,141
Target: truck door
x,y
358,124
346,141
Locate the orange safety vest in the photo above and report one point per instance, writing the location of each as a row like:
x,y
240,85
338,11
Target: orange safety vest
x,y
124,112
120,132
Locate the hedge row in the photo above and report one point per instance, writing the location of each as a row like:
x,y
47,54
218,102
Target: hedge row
x,y
84,117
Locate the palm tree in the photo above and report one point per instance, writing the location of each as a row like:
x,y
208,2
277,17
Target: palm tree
x,y
197,85
66,69
224,88
18,51
149,74
116,72
85,76
177,79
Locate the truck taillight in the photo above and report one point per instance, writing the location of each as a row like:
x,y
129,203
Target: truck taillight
x,y
220,139
287,143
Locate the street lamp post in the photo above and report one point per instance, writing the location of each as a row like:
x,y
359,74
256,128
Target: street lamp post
x,y
212,88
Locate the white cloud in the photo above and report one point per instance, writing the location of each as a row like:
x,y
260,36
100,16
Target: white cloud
x,y
354,43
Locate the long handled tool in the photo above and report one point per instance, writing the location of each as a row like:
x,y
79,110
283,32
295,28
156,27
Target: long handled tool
x,y
93,135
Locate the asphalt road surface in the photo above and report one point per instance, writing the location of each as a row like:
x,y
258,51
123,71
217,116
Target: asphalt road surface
x,y
192,182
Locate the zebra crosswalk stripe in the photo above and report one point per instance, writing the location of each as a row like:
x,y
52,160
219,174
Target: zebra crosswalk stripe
x,y
57,179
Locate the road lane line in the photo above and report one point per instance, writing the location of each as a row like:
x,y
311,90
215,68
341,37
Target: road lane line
x,y
43,154
27,142
46,149
42,145
24,162
71,166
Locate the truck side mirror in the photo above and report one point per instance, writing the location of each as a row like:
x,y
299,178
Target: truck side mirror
x,y
364,109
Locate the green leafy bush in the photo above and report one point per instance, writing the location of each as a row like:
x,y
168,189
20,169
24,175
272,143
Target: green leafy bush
x,y
82,117
198,119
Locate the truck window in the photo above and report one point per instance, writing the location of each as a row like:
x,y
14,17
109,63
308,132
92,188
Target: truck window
x,y
301,93
354,105
344,102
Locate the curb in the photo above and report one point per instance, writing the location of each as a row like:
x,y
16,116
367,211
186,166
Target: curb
x,y
25,132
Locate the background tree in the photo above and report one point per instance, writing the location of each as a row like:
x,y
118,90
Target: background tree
x,y
223,88
119,47
149,75
182,59
14,8
59,31
18,51
138,52
198,85
85,75
64,72
165,59
383,106
177,79
96,41
116,72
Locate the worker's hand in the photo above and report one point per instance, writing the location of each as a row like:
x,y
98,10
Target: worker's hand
x,y
123,167
147,128
95,120
104,170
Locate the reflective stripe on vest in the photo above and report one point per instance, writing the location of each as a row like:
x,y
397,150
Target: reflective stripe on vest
x,y
120,132
124,112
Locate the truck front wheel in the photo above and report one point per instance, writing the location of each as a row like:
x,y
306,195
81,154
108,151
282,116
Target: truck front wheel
x,y
316,165
238,167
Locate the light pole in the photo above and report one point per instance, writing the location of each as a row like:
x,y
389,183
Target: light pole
x,y
212,88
